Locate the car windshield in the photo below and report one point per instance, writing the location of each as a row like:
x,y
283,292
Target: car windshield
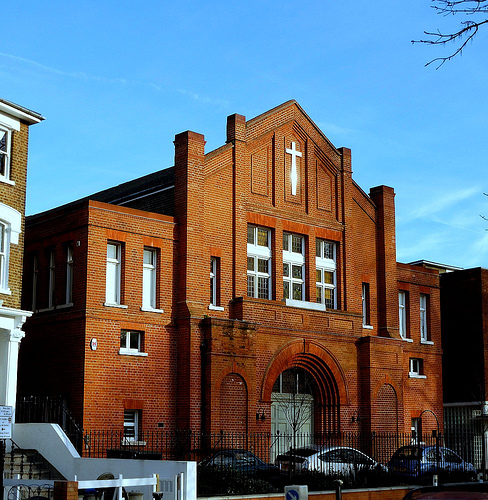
x,y
407,453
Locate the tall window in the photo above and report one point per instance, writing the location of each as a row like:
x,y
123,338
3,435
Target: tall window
x,y
3,256
69,274
213,281
35,278
424,318
149,279
293,266
131,425
325,263
112,288
52,278
258,262
4,153
366,304
403,313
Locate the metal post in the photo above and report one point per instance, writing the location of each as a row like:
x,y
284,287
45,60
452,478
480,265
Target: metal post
x,y
338,489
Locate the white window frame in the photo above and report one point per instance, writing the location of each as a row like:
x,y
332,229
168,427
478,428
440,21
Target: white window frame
x,y
125,343
69,275
257,253
416,368
424,319
149,277
293,259
366,305
52,279
4,256
326,262
131,421
113,275
5,155
402,314
214,284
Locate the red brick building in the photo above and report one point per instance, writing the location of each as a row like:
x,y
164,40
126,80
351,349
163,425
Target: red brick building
x,y
201,296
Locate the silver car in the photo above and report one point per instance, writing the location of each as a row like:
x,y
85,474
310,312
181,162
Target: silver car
x,y
332,461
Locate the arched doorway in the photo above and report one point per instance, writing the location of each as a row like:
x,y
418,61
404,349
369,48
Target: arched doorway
x,y
292,407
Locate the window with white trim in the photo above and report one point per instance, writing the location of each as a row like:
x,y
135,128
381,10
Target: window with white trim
x,y
112,288
293,266
149,278
5,138
366,304
131,425
69,274
424,318
52,279
258,262
131,341
4,253
403,314
325,263
416,368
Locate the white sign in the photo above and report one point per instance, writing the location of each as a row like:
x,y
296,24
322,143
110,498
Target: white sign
x,y
6,422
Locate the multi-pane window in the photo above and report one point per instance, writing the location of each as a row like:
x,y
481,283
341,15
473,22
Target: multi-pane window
x,y
403,313
3,256
149,279
258,262
4,153
130,341
424,318
69,274
52,278
366,304
293,266
416,368
131,425
112,288
325,263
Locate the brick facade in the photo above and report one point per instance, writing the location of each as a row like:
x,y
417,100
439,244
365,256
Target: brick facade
x,y
212,367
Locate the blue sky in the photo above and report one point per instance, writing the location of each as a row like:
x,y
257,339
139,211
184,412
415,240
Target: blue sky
x,y
116,80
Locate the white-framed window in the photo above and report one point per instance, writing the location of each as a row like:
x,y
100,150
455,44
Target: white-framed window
x,y
131,341
35,280
52,278
416,368
293,266
149,278
69,274
424,318
131,425
403,314
326,270
365,299
258,262
5,139
114,263
4,253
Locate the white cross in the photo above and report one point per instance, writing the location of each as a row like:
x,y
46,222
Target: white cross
x,y
294,177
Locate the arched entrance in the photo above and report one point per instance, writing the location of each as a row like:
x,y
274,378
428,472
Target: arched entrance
x,y
306,387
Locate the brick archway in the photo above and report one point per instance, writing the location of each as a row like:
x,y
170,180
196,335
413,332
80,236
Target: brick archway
x,y
233,403
331,390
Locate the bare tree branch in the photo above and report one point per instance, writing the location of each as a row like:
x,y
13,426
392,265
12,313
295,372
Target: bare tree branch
x,y
468,28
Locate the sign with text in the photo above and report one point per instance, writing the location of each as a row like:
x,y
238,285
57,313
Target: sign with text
x,y
6,422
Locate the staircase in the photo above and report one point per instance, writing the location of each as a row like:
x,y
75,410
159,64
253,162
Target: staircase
x,y
28,464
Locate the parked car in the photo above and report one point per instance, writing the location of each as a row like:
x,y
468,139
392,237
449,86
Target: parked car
x,y
422,461
242,461
333,461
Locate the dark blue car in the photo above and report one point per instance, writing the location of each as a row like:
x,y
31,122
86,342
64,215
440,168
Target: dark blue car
x,y
424,461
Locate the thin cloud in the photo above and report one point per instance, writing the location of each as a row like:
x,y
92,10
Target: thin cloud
x,y
198,97
80,75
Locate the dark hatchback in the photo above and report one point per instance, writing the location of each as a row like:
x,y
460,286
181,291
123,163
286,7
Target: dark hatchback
x,y
242,461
